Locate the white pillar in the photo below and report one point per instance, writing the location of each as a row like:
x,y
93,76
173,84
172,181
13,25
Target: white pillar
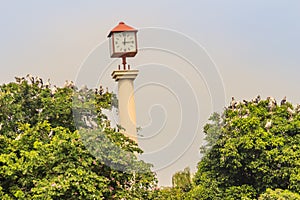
x,y
127,115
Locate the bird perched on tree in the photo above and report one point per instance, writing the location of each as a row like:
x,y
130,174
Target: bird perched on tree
x,y
53,90
69,84
18,79
50,134
245,115
245,102
31,78
83,89
101,90
268,125
81,98
298,108
39,110
256,100
283,101
96,91
271,103
232,103
18,137
290,111
41,81
48,84
66,83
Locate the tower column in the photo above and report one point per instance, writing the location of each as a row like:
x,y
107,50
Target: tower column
x,y
127,114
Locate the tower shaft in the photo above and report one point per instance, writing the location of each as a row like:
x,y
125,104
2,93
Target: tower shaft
x,y
127,114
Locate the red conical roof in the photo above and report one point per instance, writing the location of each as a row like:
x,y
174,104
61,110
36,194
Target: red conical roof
x,y
120,28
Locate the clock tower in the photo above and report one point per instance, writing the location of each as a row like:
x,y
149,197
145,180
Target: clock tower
x,y
123,44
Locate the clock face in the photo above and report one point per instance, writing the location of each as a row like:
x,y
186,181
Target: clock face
x,y
124,42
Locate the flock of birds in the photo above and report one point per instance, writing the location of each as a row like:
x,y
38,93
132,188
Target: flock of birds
x,y
84,93
31,80
272,104
98,91
234,105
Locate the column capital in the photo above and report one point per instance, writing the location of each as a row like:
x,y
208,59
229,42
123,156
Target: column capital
x,y
124,74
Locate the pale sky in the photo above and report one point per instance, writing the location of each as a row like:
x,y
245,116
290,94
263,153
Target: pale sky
x,y
254,45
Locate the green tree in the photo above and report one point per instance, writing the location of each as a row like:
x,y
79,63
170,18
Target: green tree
x,y
182,180
212,132
279,194
45,153
205,187
168,193
255,146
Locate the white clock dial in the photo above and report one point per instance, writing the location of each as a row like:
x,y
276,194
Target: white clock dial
x,y
124,42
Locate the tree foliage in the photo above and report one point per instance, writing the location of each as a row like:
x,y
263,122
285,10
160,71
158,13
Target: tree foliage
x,y
56,143
168,193
182,180
252,146
279,194
44,152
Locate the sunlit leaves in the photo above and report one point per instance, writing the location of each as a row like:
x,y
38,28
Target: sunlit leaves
x,y
44,156
249,154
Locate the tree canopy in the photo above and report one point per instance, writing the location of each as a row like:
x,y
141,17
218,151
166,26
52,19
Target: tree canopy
x,y
253,147
45,138
57,143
